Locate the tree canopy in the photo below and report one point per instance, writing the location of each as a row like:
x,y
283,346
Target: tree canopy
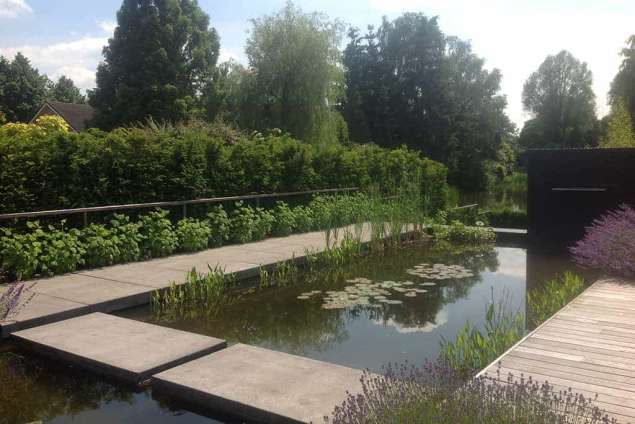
x,y
409,83
160,59
623,86
619,132
560,98
64,90
22,89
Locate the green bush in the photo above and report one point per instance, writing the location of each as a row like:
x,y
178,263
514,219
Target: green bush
x,y
116,243
242,221
284,220
219,223
41,251
132,165
158,236
304,221
192,234
263,221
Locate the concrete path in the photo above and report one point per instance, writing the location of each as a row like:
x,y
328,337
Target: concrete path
x,y
588,346
117,347
261,385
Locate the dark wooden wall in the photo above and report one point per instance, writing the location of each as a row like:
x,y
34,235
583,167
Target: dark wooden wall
x,y
569,188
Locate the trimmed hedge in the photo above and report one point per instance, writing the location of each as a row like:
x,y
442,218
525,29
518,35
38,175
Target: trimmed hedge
x,y
59,170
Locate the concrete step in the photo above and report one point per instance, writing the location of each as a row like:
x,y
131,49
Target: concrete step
x,y
260,385
117,347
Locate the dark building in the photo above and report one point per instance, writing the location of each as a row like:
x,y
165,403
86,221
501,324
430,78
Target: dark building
x,y
75,115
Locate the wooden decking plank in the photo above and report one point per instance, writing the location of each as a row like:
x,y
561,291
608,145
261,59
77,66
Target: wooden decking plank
x,y
599,335
588,339
583,365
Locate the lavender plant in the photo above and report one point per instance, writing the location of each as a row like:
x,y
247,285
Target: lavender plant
x,y
13,297
609,243
436,393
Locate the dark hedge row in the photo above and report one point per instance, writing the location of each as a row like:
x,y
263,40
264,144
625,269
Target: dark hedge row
x,y
59,170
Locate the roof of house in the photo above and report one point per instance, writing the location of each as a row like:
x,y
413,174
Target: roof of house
x,y
77,115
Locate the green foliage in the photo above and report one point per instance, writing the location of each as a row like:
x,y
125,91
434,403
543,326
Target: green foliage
x,y
560,97
243,218
53,171
458,232
295,76
192,234
285,221
41,251
263,222
111,245
473,349
64,90
546,301
304,221
160,59
219,223
620,128
623,86
506,217
158,235
408,82
23,89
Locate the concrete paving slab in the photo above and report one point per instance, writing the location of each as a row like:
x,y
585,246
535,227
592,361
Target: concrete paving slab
x,y
42,309
118,347
101,295
141,273
261,385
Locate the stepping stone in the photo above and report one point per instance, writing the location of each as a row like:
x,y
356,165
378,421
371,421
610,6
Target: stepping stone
x,y
118,347
261,385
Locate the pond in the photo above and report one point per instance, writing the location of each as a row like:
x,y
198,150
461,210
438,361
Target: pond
x,y
385,308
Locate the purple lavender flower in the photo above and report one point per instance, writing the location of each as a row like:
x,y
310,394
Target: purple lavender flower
x,y
609,243
14,297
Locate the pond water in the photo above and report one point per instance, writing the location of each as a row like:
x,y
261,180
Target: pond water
x,y
388,308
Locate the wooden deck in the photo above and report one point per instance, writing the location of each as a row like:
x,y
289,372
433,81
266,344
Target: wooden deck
x,y
588,346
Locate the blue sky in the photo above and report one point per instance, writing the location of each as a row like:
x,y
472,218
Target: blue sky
x,y
66,36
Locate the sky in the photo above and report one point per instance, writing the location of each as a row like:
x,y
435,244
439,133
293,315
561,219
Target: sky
x,y
65,37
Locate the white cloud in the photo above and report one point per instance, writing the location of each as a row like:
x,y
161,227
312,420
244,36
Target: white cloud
x,y
14,8
107,26
225,54
440,320
76,59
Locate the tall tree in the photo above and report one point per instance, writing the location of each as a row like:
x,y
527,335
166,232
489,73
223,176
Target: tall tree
x,y
619,131
22,88
560,97
623,86
409,83
64,90
296,76
160,59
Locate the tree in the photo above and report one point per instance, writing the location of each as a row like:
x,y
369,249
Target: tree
x,y
64,90
560,97
160,59
623,86
620,128
409,83
295,77
22,89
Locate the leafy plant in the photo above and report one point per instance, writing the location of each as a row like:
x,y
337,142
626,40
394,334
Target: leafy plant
x,y
242,222
220,226
158,236
304,221
284,223
192,234
609,243
544,302
461,233
116,243
263,222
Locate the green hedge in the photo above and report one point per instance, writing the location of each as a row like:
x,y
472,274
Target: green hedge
x,y
144,165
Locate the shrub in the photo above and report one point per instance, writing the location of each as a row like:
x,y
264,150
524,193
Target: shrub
x,y
219,223
41,251
158,236
263,222
544,302
436,394
108,245
304,221
284,220
461,233
242,223
609,243
192,234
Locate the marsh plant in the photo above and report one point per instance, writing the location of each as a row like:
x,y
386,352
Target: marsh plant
x,y
436,394
475,348
609,243
546,301
201,293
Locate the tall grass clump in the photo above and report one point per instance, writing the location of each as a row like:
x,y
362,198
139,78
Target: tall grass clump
x,y
546,301
201,292
436,394
609,243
